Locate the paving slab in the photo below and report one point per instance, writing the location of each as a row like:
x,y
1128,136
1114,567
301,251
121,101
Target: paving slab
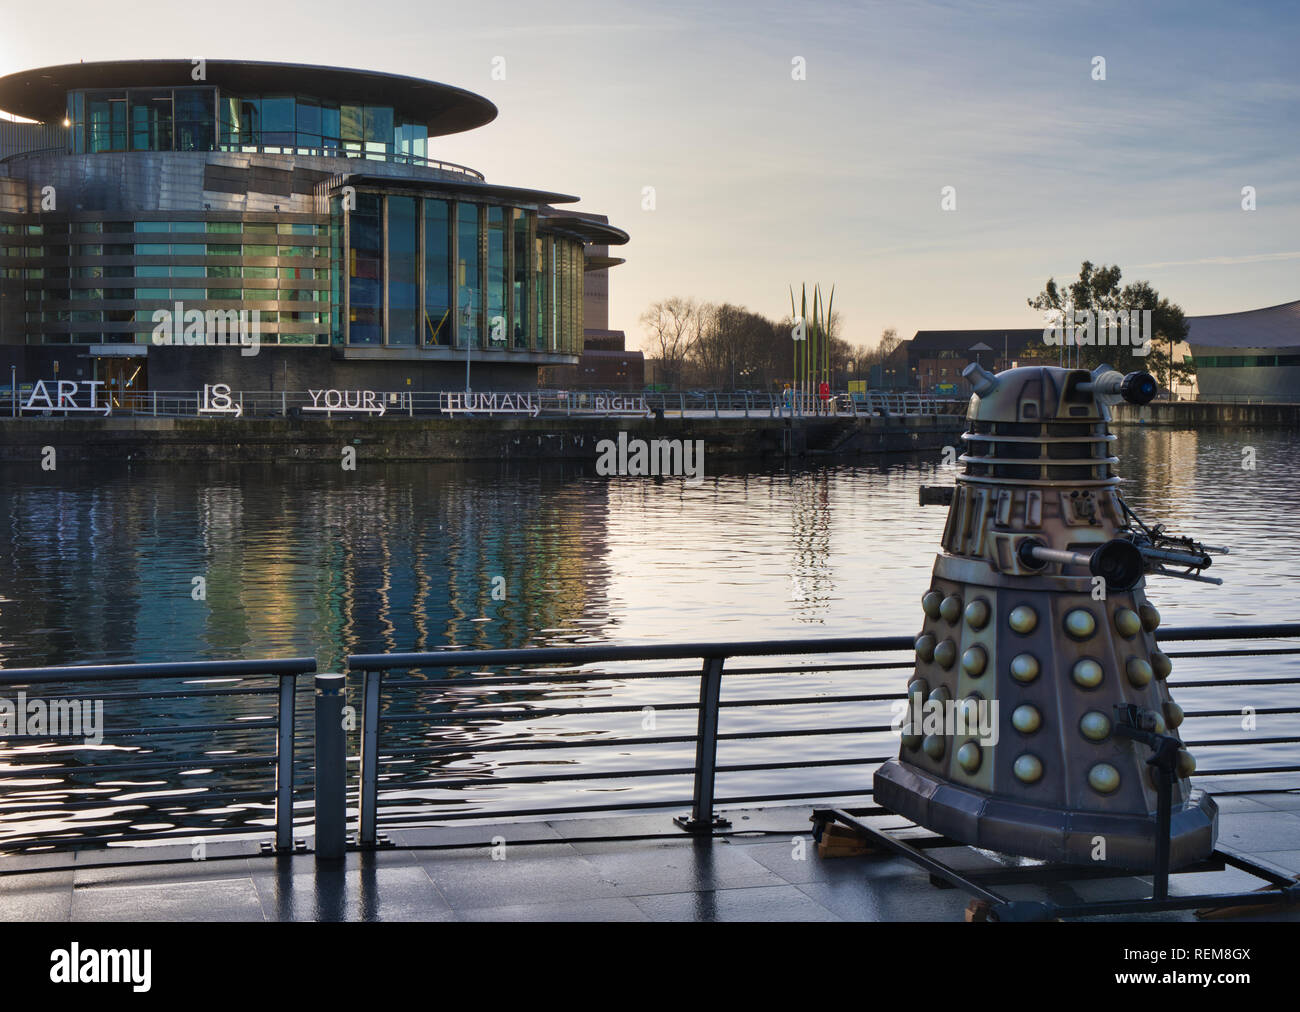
x,y
195,900
554,871
758,903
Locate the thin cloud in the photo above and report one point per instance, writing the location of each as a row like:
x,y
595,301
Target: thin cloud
x,y
1248,258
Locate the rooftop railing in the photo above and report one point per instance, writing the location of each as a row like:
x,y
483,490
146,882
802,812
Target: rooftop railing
x,y
395,158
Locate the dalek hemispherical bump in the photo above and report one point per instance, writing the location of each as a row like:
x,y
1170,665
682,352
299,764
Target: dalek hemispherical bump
x,y
925,644
974,661
1127,622
977,614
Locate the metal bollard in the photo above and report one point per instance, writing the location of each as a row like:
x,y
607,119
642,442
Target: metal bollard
x,y
331,804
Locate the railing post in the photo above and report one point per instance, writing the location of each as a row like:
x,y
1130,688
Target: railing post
x,y
367,836
702,818
331,773
284,766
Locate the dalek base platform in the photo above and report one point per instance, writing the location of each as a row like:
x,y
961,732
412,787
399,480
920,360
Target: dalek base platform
x,y
1277,888
1046,834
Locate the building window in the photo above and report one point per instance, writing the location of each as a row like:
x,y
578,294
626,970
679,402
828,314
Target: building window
x,y
541,272
469,292
496,278
365,272
438,305
403,297
523,246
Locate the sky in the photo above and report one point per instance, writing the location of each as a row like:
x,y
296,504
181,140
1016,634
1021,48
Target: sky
x,y
762,180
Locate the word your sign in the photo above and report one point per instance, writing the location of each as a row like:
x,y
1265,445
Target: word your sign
x,y
492,404
216,400
65,397
360,401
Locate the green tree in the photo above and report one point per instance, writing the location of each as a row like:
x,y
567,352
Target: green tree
x,y
1097,290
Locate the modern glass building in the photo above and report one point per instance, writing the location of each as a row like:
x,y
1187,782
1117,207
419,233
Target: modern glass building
x,y
311,195
1253,355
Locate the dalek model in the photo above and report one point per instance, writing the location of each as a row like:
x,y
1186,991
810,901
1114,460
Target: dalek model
x,y
1036,603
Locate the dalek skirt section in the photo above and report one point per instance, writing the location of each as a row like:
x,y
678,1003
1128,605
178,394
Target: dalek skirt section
x,y
1009,741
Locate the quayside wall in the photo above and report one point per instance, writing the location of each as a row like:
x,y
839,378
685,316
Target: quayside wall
x,y
1208,415
455,439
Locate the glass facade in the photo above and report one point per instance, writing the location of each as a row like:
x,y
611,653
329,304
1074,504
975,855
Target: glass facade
x,y
89,282
400,270
487,279
210,119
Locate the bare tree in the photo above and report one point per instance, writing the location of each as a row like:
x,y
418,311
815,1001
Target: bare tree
x,y
674,326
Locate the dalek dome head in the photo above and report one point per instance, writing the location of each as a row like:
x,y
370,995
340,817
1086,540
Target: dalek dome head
x,y
1045,425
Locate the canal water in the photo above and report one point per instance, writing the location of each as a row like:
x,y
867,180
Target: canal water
x,y
105,563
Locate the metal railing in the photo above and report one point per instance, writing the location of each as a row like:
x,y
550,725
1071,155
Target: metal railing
x,y
425,713
396,697
207,690
459,403
557,666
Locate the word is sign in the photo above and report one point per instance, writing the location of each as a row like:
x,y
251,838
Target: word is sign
x,y
216,400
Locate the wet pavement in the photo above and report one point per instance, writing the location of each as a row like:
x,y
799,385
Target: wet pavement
x,y
631,868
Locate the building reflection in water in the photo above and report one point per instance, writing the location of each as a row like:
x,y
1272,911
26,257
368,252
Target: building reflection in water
x,y
97,564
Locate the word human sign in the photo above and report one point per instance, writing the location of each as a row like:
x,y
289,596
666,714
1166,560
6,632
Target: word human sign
x,y
65,397
492,404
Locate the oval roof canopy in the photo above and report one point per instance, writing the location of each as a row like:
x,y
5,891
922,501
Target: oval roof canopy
x,y
601,233
41,94
517,193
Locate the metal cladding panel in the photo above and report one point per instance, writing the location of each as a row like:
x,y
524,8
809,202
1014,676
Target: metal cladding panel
x,y
1272,327
178,180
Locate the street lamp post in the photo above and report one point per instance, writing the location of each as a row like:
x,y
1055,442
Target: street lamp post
x,y
469,345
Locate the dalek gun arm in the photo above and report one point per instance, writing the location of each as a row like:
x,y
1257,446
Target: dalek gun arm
x,y
1158,556
1160,550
